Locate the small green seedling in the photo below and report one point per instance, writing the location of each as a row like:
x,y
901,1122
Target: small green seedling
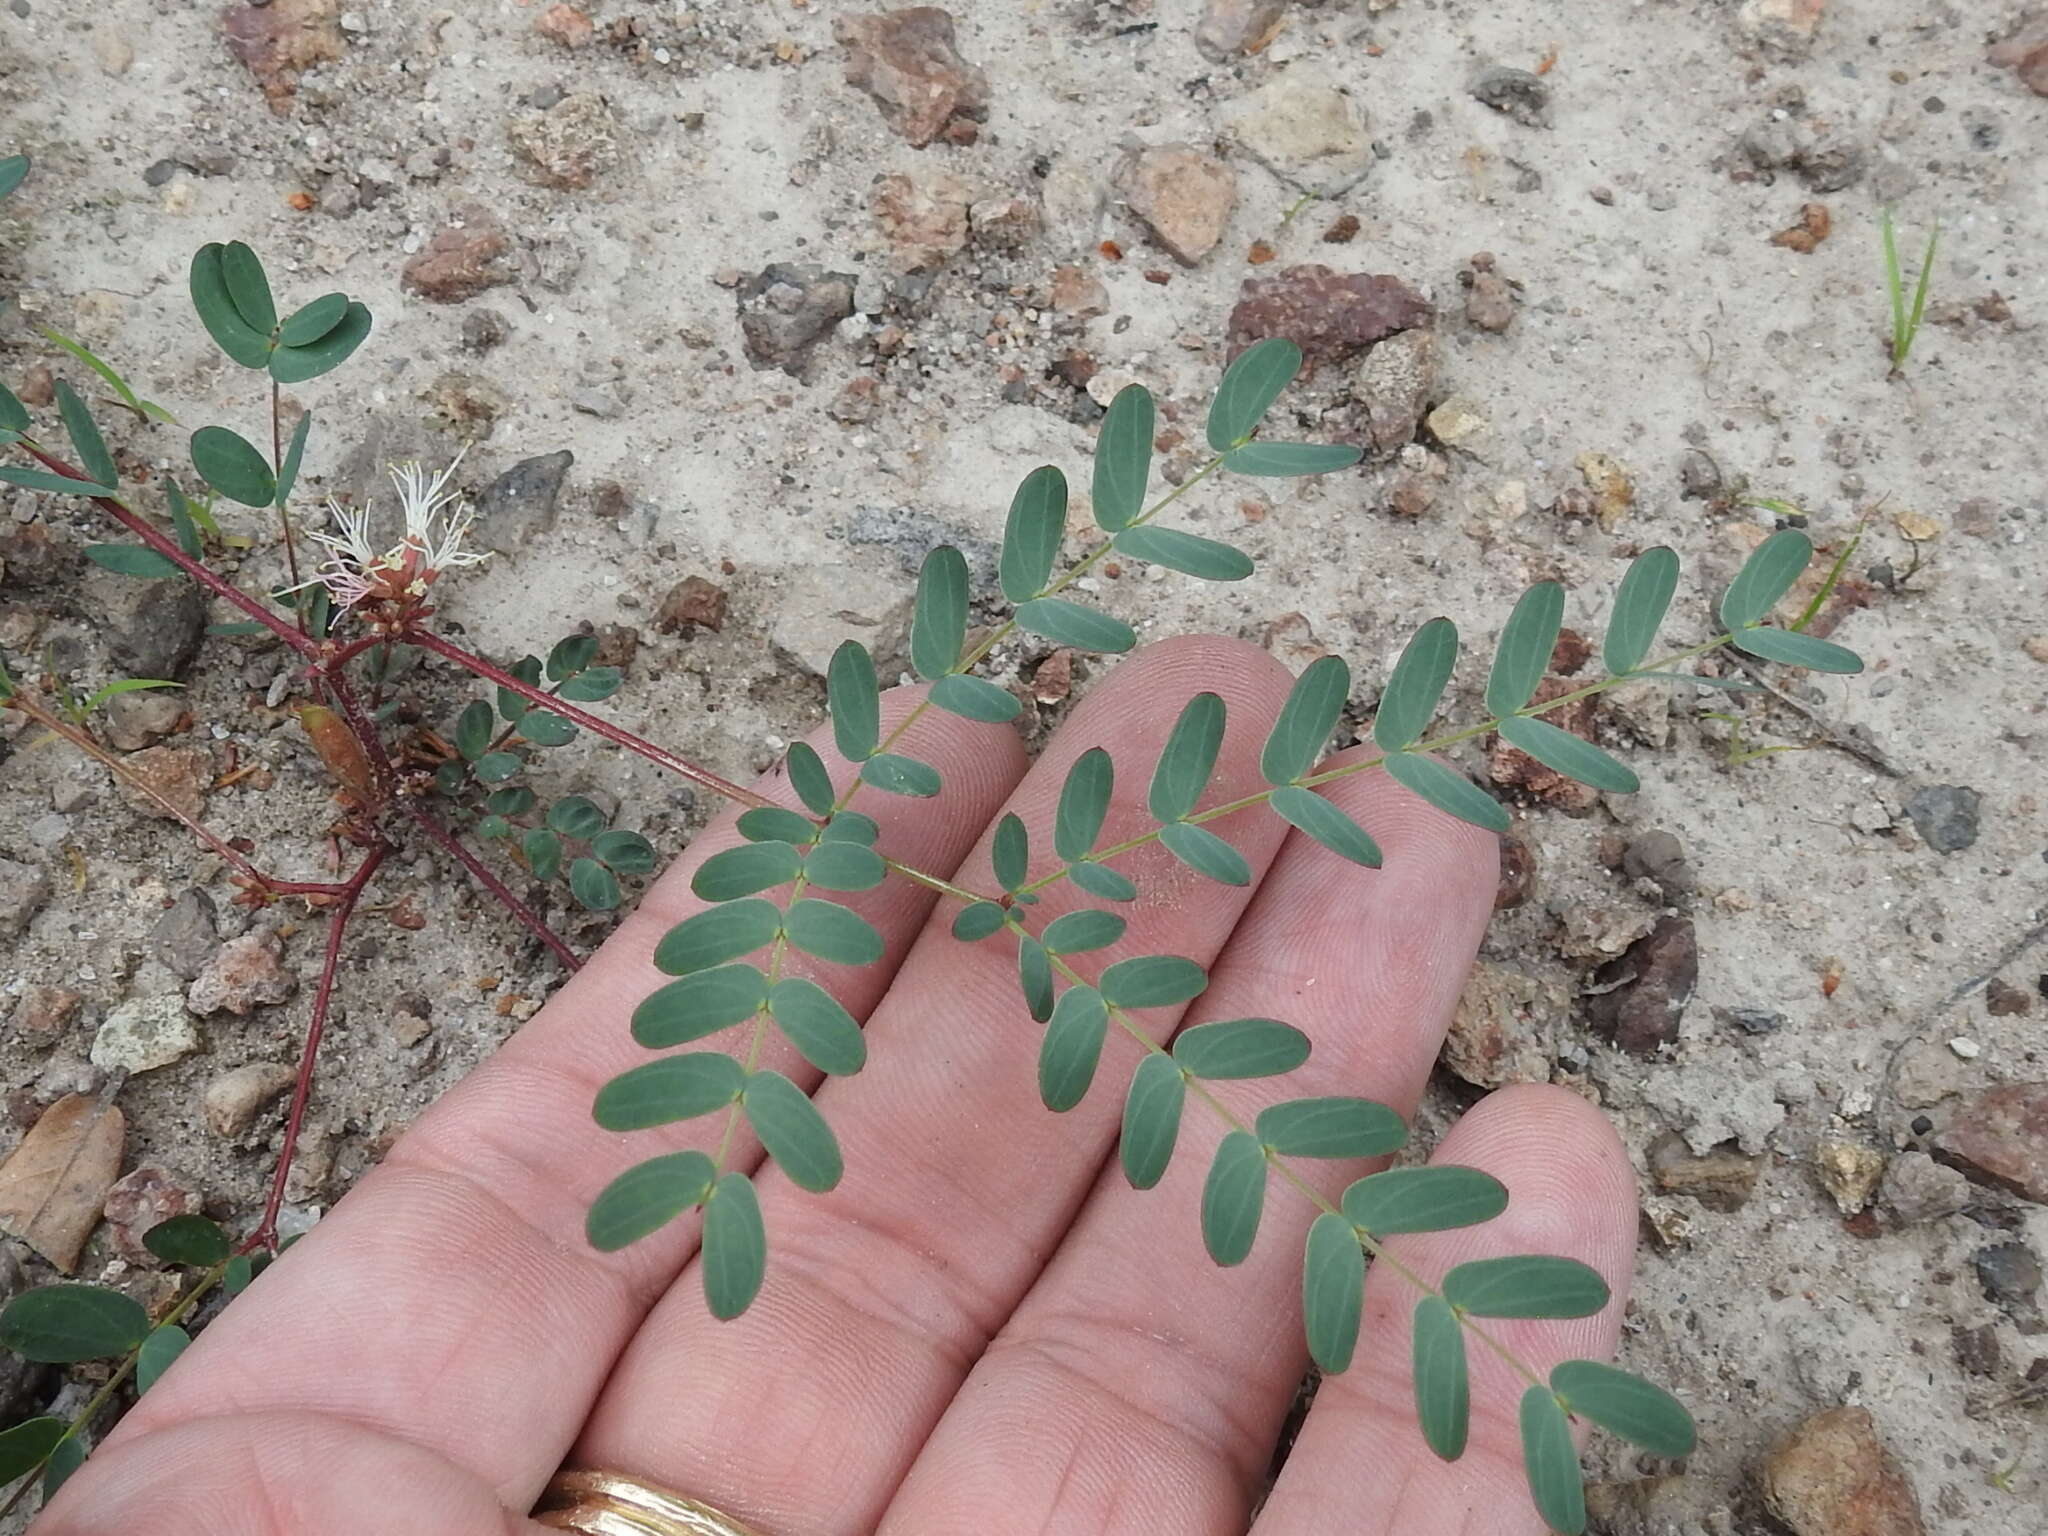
x,y
1905,323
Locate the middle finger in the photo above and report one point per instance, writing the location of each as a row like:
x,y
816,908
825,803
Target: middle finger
x,y
803,1414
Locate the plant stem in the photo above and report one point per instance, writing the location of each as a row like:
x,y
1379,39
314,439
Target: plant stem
x,y
480,873
284,519
703,777
265,1235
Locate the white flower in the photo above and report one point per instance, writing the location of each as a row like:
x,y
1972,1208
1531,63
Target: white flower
x,y
437,519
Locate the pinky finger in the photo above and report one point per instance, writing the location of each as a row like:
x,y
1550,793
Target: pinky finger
x,y
1361,1463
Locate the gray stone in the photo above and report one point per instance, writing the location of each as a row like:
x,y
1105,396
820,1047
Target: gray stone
x,y
233,1100
242,975
1658,856
1231,27
23,890
2010,1274
1917,1189
1305,130
521,502
185,936
1648,987
1752,1021
1393,387
1699,477
1516,92
142,719
151,628
1945,815
787,309
145,1033
910,535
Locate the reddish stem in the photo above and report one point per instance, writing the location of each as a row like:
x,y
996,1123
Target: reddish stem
x,y
265,1235
490,882
681,767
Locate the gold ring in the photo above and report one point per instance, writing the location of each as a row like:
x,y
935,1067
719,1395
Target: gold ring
x,y
612,1504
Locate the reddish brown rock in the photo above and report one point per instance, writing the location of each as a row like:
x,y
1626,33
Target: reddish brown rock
x,y
1645,988
566,25
1184,196
244,974
2000,1138
1232,27
2026,54
45,1012
1814,224
1077,292
1833,1476
179,775
2005,1001
280,41
1330,315
1721,1179
38,387
1517,874
907,61
470,253
143,1198
1505,1027
857,401
692,604
924,219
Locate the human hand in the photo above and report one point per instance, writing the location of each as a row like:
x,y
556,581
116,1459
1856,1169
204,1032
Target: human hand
x,y
983,1328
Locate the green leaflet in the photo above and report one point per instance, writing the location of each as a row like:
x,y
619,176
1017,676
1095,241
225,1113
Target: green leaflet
x,y
1296,741
828,1036
14,415
1525,646
231,464
1123,458
1071,1048
1620,1401
1233,1198
13,171
576,816
28,1444
137,560
1417,684
248,288
594,885
1332,1292
473,730
60,1324
851,827
745,870
623,852
975,698
309,322
1031,538
218,313
1552,1462
1100,881
1765,578
295,450
295,365
844,867
1206,853
592,684
673,1088
1290,459
723,933
158,1353
809,778
1070,624
1443,1393
895,774
1249,388
855,701
698,1005
938,624
1084,802
1074,933
793,1131
58,485
1152,981
828,931
1639,608
1526,1285
1151,1119
1431,1199
1310,813
1188,553
1187,759
1572,756
977,921
778,824
1330,1127
735,1251
1034,977
1448,790
1233,1048
93,457
569,656
1798,650
65,1458
190,1240
511,706
542,848
1010,851
544,728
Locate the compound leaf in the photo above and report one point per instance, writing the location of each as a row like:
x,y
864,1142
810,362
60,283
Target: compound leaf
x,y
1639,608
1031,538
1151,1119
1523,655
1123,458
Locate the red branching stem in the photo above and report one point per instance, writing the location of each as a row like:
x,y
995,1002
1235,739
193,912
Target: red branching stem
x,y
661,757
219,585
265,1235
490,882
364,728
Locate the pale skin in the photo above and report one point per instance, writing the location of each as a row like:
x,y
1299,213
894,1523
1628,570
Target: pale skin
x,y
984,1328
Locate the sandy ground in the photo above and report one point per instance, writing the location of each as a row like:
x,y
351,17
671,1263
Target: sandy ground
x,y
1653,322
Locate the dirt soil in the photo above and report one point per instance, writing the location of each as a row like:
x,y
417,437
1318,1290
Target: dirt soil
x,y
1655,273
